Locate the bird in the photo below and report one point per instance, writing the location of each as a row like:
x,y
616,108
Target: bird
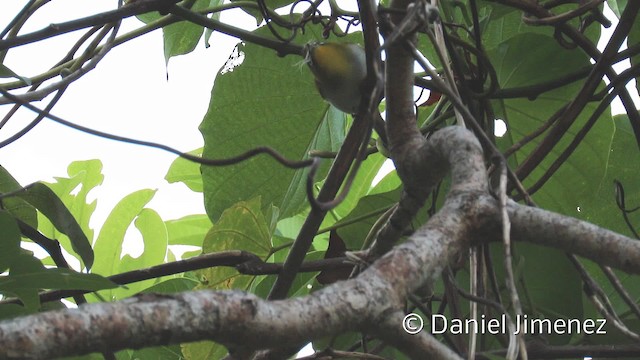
x,y
339,70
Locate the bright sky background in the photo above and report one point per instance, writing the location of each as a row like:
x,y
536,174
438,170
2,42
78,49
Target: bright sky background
x,y
127,94
130,93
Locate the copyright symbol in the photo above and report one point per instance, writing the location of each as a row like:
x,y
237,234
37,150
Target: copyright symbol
x,y
412,324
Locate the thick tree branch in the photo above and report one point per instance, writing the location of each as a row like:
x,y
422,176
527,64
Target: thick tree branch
x,y
603,246
371,302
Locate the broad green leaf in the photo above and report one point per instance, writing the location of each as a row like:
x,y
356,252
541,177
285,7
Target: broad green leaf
x,y
8,311
354,227
154,237
189,230
172,286
84,176
303,284
617,159
621,166
216,16
159,353
505,25
617,6
50,205
203,350
241,227
187,172
111,237
389,182
63,279
361,184
19,208
182,37
24,263
548,61
257,14
548,284
120,355
571,185
570,191
9,241
264,101
290,227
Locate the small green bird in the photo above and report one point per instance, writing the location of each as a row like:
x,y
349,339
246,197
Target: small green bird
x,y
339,69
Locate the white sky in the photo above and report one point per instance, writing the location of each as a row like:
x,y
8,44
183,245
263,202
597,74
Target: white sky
x,y
127,94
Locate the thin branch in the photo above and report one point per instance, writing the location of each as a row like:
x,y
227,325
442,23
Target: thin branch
x,y
245,262
353,144
564,17
133,8
197,159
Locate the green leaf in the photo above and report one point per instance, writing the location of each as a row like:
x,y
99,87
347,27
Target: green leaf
x,y
241,227
187,172
203,350
548,61
182,37
354,227
50,205
571,189
216,16
19,208
9,241
632,40
111,237
60,279
8,311
361,184
28,276
25,263
84,176
255,12
159,353
189,230
172,286
154,237
265,101
501,28
617,6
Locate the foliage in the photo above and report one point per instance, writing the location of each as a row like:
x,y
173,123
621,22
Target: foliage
x,y
258,205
